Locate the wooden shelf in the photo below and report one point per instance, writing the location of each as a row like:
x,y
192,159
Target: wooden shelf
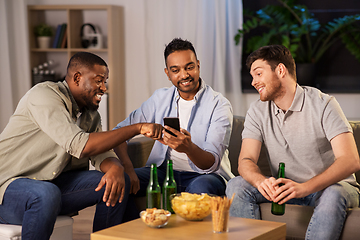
x,y
110,20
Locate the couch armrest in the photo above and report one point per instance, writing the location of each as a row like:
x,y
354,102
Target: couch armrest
x,y
139,149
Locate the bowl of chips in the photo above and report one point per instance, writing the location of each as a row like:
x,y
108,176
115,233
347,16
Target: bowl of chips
x,y
154,217
191,206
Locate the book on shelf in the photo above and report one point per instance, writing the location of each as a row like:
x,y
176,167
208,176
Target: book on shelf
x,y
61,36
57,34
64,40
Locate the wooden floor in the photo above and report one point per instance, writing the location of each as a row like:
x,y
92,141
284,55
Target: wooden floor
x,y
83,224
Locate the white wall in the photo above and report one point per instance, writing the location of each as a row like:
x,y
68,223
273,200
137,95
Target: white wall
x,y
15,46
350,104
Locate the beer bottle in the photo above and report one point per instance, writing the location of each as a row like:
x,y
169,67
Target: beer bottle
x,y
153,191
169,186
279,209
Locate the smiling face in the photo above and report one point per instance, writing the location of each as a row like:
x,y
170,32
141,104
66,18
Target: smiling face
x,y
265,81
183,70
91,86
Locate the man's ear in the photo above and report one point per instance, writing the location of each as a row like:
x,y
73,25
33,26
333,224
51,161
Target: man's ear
x,y
77,76
167,73
280,70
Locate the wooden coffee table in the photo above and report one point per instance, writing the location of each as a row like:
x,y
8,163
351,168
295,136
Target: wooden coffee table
x,y
178,228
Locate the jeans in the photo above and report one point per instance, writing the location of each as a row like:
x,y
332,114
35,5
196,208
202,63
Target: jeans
x,y
329,213
35,204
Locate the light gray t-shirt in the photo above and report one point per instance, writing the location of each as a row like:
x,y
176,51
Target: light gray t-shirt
x,y
301,136
46,135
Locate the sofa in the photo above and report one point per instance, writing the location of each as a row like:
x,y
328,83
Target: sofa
x,y
296,217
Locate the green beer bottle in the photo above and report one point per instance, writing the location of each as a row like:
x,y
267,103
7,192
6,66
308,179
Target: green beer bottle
x,y
169,186
279,209
153,191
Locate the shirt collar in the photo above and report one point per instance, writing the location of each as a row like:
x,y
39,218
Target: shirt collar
x,y
298,101
197,95
297,104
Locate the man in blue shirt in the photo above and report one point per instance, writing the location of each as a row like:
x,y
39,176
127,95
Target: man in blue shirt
x,y
199,150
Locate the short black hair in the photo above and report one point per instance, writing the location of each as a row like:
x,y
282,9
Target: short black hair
x,y
273,55
177,44
85,59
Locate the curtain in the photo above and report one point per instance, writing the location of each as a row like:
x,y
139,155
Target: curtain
x,y
14,57
211,26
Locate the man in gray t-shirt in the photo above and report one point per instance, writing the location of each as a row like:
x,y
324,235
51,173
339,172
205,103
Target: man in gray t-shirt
x,y
307,130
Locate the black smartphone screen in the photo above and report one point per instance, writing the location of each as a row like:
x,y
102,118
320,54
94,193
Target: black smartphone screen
x,y
172,122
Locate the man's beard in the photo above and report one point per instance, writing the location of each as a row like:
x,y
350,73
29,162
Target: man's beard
x,y
273,91
90,105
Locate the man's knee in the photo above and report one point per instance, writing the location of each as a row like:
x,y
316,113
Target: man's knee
x,y
236,185
47,195
342,194
207,184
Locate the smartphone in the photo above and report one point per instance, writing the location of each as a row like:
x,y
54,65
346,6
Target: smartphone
x,y
172,122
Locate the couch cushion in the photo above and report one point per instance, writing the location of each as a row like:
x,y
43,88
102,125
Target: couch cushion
x,y
296,218
139,149
356,130
235,143
351,230
235,146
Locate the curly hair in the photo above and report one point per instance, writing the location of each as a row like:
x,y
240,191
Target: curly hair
x,y
85,59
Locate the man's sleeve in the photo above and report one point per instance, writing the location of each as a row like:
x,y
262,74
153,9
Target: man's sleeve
x,y
48,110
217,136
252,128
334,120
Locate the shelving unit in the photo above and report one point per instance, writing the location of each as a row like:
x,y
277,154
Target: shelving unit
x,y
109,20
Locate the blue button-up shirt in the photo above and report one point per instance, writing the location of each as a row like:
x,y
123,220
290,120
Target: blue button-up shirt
x,y
210,124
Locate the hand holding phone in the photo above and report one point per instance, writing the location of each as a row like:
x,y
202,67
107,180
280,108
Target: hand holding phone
x,y
172,122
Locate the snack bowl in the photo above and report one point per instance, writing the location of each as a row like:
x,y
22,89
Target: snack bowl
x,y
155,218
191,206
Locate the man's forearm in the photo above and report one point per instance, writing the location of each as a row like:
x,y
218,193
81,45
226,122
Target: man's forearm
x,y
100,142
250,171
121,152
202,159
108,163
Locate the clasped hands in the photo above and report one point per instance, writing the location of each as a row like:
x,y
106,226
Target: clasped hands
x,y
281,190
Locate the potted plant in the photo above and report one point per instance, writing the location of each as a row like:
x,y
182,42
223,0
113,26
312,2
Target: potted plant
x,y
43,33
295,27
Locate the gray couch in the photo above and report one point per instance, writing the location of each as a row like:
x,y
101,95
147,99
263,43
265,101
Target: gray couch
x,y
295,217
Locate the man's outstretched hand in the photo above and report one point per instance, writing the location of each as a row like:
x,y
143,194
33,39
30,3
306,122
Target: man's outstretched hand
x,y
151,130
